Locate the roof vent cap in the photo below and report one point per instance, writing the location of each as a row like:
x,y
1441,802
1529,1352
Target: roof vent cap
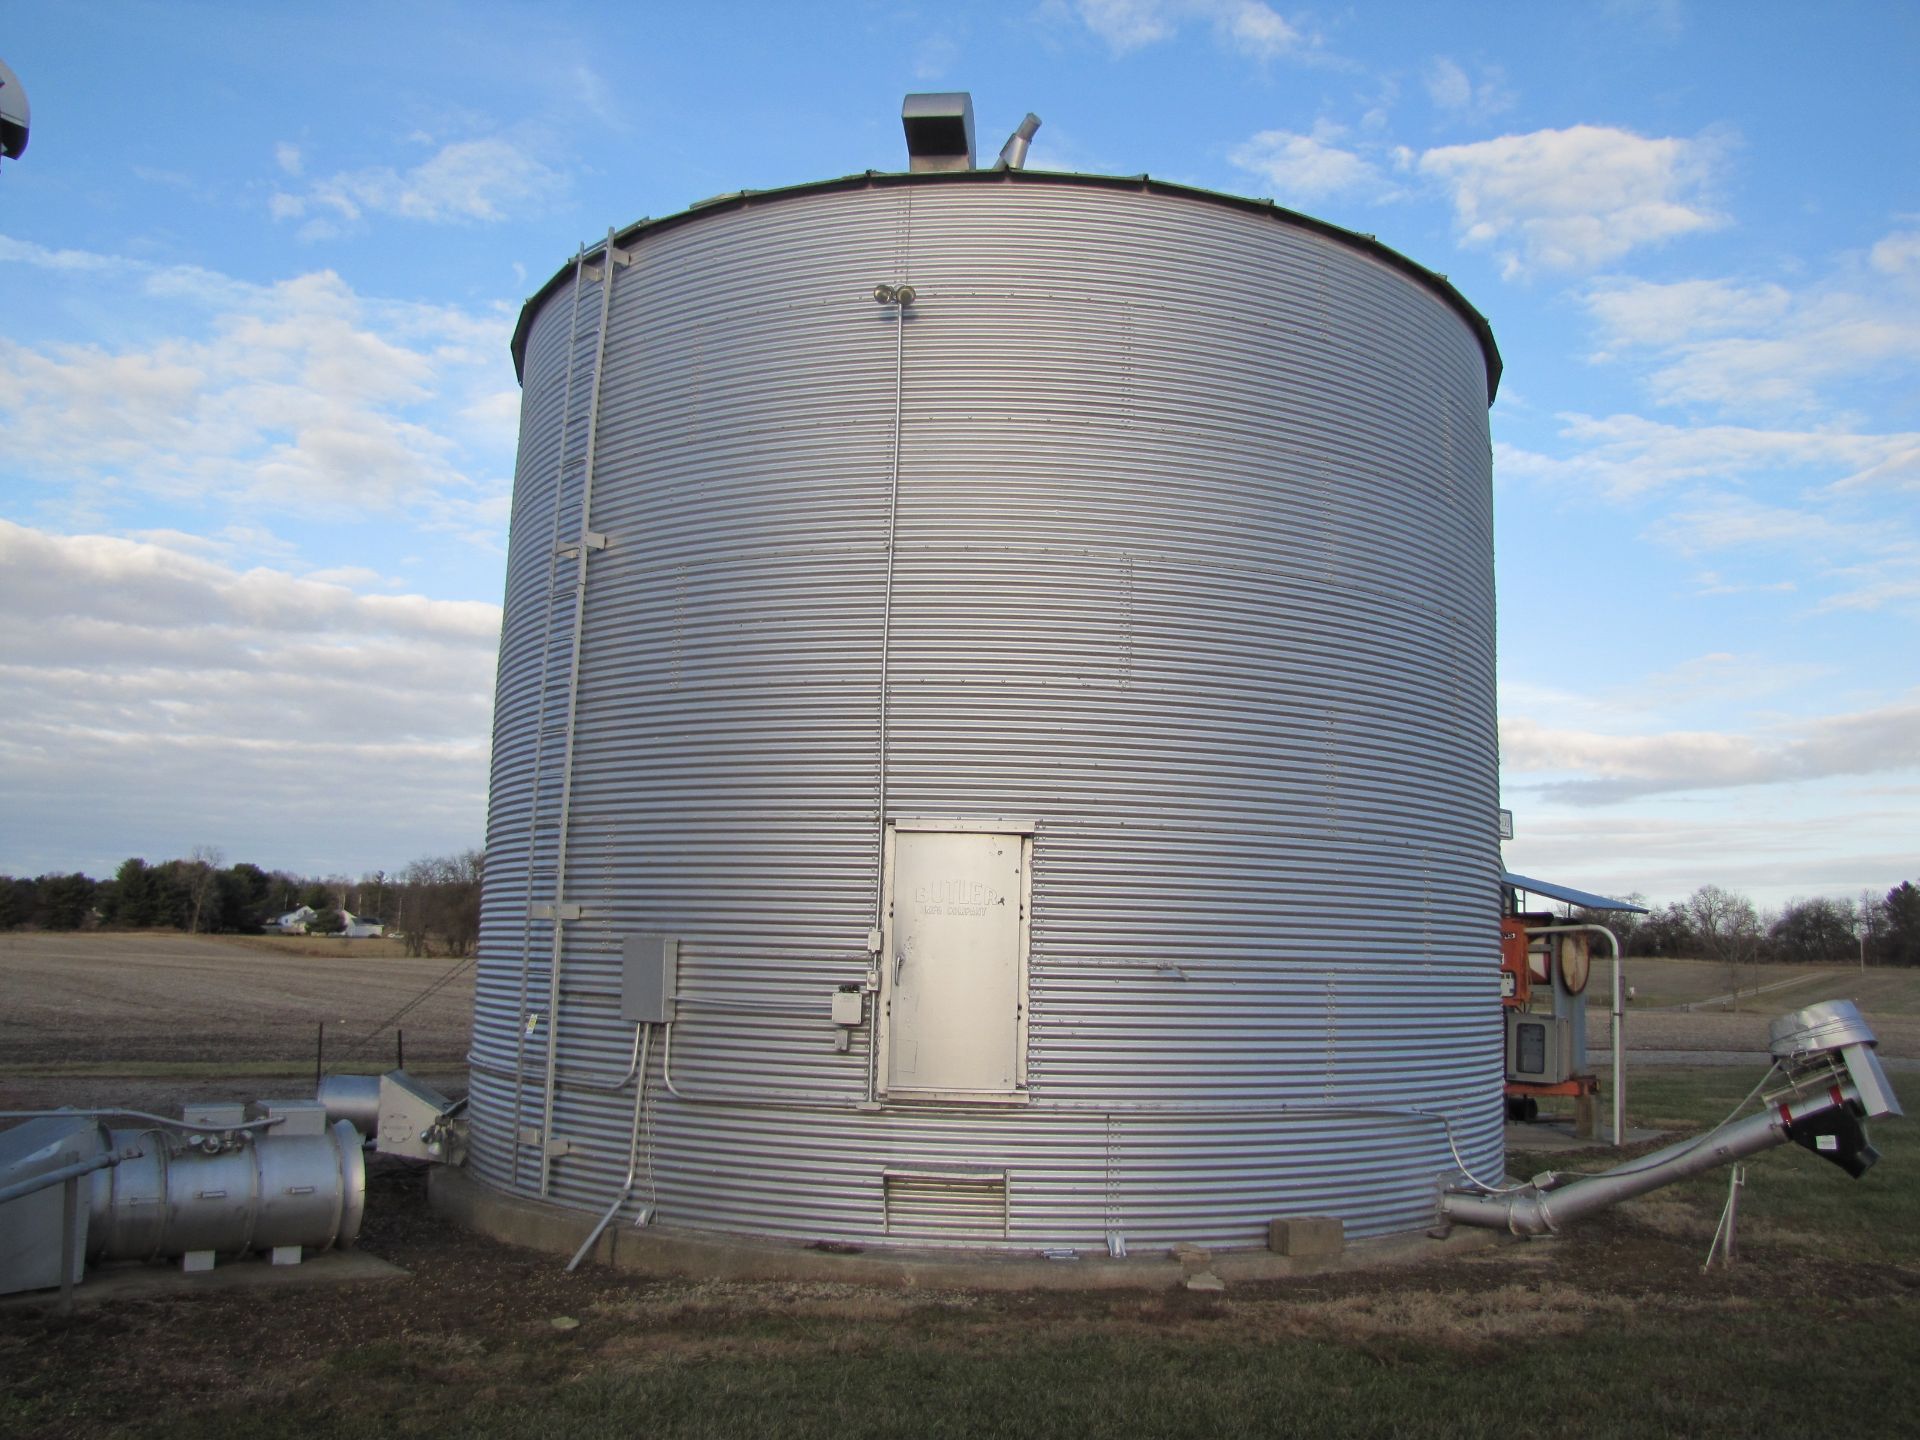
x,y
939,131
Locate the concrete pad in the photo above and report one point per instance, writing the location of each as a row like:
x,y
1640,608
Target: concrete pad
x,y
662,1251
134,1280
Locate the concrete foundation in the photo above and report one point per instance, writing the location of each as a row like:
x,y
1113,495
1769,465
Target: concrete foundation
x,y
663,1251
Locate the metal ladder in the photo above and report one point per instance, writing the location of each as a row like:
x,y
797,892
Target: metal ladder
x,y
547,910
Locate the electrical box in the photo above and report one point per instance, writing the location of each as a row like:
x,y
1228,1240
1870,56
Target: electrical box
x,y
649,978
1539,1048
848,1005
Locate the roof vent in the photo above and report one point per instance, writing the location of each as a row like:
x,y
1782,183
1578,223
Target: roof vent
x,y
939,131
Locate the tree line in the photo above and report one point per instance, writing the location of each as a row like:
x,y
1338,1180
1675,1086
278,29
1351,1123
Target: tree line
x,y
432,905
1718,924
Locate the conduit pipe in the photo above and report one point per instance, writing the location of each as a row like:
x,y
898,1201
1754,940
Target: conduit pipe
x,y
48,1178
644,1040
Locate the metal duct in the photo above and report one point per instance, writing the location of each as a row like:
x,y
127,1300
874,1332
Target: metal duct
x,y
229,1193
1013,154
939,131
353,1098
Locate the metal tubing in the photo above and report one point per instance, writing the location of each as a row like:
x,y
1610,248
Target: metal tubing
x,y
641,1034
1619,1026
633,1154
49,1178
886,617
171,1123
573,710
1530,1214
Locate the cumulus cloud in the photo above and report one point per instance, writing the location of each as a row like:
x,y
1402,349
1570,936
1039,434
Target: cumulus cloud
x,y
1898,254
1598,768
1624,456
186,699
1726,478
1452,89
1577,198
1759,347
464,182
1249,27
301,396
1306,167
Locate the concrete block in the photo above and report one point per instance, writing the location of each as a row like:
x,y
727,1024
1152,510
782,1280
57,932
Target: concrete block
x,y
1205,1280
1191,1257
1307,1235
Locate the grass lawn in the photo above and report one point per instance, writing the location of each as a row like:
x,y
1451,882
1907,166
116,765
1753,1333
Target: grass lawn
x,y
1610,1329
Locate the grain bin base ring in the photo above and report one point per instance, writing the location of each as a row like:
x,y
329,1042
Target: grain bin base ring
x,y
666,1252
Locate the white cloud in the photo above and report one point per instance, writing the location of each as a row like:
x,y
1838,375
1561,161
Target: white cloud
x,y
187,700
1761,348
466,181
1448,85
1592,767
1623,456
1248,27
1257,30
288,158
300,396
1640,312
1575,198
1817,541
1898,253
1453,90
1309,167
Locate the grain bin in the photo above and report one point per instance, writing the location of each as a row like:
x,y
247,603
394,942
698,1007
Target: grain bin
x,y
995,728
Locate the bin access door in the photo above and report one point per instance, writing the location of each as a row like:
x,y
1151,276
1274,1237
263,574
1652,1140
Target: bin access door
x,y
954,968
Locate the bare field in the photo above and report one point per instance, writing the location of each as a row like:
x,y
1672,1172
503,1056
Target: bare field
x,y
1661,983
1658,1018
101,1002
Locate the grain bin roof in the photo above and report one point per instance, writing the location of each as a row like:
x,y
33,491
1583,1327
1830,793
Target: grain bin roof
x,y
880,180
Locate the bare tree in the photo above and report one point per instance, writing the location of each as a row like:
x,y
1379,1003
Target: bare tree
x,y
203,873
440,900
1728,928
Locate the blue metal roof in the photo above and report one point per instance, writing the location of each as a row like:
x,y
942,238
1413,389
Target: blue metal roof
x,y
1567,893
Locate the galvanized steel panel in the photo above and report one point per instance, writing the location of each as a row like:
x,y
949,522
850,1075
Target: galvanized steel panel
x,y
1192,565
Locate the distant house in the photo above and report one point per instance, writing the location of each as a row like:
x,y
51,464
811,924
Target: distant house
x,y
294,922
298,922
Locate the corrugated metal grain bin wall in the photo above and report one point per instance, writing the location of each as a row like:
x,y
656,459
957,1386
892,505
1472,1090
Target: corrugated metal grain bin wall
x,y
1181,602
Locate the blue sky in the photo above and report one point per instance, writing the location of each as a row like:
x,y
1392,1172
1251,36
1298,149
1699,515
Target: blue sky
x,y
259,267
